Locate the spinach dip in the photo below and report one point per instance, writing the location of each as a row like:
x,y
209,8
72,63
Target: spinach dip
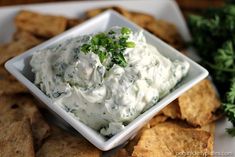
x,y
107,79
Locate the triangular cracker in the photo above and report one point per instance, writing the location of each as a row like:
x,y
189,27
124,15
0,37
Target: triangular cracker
x,y
16,140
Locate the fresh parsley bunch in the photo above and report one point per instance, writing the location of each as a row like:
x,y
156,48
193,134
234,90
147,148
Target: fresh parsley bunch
x,y
110,45
214,38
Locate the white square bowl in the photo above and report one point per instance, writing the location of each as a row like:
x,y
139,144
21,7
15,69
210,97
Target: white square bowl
x,y
21,69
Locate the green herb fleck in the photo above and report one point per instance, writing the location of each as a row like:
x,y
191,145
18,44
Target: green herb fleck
x,y
125,30
102,56
130,44
110,45
85,48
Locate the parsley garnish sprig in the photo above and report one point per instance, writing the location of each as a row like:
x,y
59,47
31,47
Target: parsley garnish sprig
x,y
110,45
214,38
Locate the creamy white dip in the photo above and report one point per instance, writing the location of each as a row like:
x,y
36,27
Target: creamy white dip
x,y
105,100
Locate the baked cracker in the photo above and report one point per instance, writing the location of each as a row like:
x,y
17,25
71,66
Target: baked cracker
x,y
93,12
21,43
198,105
24,106
141,19
73,22
167,139
40,24
211,129
4,74
16,140
121,153
172,110
157,119
11,87
167,32
61,143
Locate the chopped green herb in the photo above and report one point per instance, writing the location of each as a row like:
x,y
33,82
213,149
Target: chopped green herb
x,y
110,45
102,56
120,60
130,44
95,40
125,30
111,32
85,48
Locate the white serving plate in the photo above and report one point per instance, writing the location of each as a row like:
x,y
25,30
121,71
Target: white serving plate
x,y
20,68
163,9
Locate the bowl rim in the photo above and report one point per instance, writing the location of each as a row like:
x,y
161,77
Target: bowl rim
x,y
133,125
